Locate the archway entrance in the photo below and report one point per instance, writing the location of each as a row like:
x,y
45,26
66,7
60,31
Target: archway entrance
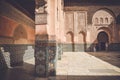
x,y
103,41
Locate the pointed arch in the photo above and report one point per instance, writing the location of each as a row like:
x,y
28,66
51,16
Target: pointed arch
x,y
82,40
70,40
107,10
96,20
108,31
103,18
20,35
70,37
106,20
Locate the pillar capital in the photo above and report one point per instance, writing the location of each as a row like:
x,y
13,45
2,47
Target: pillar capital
x,y
41,6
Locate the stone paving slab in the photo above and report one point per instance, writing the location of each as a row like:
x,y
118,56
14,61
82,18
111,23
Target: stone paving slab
x,y
82,63
30,61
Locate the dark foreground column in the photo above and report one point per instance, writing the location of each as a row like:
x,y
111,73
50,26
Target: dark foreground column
x,y
45,58
51,57
45,49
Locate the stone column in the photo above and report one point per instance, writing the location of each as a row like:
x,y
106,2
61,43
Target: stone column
x,y
16,53
40,58
3,65
45,49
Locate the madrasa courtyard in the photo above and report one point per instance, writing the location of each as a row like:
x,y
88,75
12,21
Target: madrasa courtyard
x,y
59,40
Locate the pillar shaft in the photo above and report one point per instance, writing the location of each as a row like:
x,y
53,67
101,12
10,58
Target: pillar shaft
x,y
45,49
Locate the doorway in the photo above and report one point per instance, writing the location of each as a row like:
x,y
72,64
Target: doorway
x,y
103,41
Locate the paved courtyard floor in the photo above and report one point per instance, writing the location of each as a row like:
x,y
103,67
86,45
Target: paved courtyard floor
x,y
73,66
85,64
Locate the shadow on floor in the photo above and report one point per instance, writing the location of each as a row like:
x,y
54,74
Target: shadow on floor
x,y
25,72
110,57
84,78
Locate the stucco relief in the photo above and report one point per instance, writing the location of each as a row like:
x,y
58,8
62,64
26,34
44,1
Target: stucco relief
x,y
69,21
82,20
75,22
102,18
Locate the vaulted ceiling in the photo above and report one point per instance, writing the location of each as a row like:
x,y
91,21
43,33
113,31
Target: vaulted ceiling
x,y
26,6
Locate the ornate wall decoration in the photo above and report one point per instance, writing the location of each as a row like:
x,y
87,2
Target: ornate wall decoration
x,y
52,58
45,54
40,69
40,55
69,21
45,50
40,58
